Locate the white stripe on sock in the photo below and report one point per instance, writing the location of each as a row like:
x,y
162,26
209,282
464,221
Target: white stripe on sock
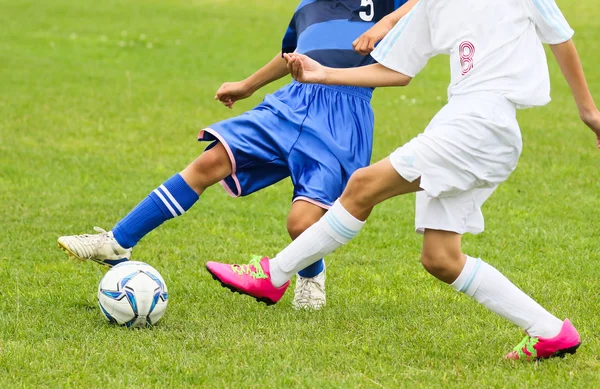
x,y
468,282
170,196
160,196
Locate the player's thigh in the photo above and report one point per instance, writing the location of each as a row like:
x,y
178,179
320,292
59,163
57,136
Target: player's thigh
x,y
303,215
209,168
371,185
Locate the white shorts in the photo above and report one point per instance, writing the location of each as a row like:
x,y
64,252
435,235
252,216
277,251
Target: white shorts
x,y
471,145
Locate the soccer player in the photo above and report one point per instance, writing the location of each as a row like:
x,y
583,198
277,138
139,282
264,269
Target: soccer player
x,y
316,134
498,65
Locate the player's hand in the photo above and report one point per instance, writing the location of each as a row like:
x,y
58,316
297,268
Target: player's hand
x,y
365,43
230,92
592,120
304,69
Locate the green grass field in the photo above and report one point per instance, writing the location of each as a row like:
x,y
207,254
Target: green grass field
x,y
101,101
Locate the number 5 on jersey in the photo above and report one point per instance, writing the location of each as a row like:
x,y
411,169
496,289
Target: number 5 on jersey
x,y
367,16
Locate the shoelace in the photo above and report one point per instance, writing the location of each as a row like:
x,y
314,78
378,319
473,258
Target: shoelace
x,y
99,238
527,343
305,288
102,232
252,269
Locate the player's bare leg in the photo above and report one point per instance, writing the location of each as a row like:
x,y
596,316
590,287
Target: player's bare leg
x,y
442,256
372,185
169,200
208,169
310,282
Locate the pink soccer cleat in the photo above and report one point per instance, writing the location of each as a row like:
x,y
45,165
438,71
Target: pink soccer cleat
x,y
532,348
252,279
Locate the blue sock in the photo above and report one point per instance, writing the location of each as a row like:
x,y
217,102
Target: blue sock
x,y
313,270
169,200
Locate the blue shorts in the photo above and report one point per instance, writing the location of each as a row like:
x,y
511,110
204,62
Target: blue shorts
x,y
316,134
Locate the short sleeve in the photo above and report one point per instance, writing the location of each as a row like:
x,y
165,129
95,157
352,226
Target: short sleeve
x,y
290,40
407,47
550,23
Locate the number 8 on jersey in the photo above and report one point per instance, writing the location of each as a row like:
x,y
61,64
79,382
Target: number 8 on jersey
x,y
466,51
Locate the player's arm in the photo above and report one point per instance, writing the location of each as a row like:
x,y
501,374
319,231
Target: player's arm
x,y
400,56
552,28
568,59
365,43
306,70
230,92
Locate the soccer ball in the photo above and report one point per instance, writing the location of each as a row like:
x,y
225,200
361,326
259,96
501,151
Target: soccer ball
x,y
133,294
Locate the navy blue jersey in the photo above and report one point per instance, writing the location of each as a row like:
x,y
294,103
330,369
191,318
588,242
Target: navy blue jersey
x,y
325,29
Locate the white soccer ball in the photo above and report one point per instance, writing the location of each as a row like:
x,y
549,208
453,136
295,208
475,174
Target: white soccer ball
x,y
133,294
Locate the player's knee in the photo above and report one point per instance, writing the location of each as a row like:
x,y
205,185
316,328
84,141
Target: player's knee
x,y
297,224
360,188
439,261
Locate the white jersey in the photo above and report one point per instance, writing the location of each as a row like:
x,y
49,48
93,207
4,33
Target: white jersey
x,y
494,45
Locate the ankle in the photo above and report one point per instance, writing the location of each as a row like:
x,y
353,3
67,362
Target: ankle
x,y
277,276
122,238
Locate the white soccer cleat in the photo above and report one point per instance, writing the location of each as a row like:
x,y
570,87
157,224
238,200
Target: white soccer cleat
x,y
101,248
310,292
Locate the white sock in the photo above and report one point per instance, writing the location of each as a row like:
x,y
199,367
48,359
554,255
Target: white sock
x,y
335,229
492,289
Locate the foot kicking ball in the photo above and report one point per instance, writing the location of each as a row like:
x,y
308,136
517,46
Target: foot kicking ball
x,y
133,294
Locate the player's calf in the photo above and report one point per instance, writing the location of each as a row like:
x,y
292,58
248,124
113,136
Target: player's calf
x,y
442,256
